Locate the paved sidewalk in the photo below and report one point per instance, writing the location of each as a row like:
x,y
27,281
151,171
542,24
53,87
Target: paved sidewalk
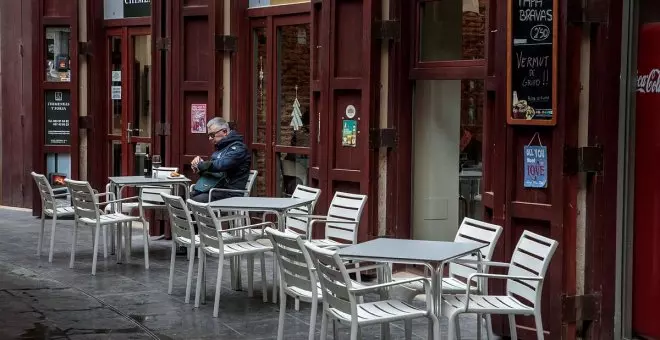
x,y
40,300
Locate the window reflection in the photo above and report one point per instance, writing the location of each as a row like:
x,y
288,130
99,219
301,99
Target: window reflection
x,y
292,170
57,54
452,30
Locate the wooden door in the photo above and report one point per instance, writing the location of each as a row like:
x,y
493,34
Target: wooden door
x,y
129,112
344,60
281,133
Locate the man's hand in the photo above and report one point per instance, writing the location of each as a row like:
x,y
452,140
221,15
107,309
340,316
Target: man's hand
x,y
196,161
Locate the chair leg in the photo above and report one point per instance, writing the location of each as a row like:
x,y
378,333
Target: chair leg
x,y
489,327
539,326
127,245
358,274
264,283
96,247
105,241
275,278
200,268
512,327
408,328
218,284
280,324
312,318
172,260
479,319
324,325
73,244
434,327
145,231
334,329
52,239
457,321
41,232
190,273
354,331
451,327
296,304
250,274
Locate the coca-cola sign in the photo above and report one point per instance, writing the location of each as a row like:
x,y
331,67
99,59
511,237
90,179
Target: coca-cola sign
x,y
649,83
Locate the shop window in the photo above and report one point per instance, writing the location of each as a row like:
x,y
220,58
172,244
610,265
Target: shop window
x,y
260,73
58,168
452,30
58,40
447,155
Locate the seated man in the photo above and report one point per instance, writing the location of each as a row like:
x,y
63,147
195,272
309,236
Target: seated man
x,y
228,167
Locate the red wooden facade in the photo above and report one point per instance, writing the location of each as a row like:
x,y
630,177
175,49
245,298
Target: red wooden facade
x,y
344,70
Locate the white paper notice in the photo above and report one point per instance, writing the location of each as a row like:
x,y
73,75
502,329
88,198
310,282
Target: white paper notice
x,y
116,75
115,92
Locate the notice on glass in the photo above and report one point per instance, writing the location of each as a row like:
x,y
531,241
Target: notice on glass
x,y
58,117
531,62
115,92
198,118
116,75
349,133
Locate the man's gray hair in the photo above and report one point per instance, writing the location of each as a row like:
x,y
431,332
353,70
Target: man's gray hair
x,y
218,124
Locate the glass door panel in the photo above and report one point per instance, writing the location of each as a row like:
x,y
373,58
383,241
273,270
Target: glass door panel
x,y
116,65
260,87
141,89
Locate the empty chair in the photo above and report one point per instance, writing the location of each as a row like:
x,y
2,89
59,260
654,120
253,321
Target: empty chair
x,y
524,281
51,205
87,212
341,222
297,277
471,230
212,244
341,298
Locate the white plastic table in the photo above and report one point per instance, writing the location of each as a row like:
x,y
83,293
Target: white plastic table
x,y
117,185
274,205
431,254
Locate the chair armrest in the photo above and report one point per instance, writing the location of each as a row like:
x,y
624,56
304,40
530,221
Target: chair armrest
x,y
366,289
316,217
106,194
228,190
495,276
482,262
61,195
251,226
123,200
61,189
369,267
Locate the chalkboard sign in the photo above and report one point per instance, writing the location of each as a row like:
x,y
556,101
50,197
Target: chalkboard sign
x,y
532,62
58,117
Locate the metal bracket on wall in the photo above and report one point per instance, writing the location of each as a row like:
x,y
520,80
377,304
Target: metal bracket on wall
x,y
85,48
225,43
580,308
587,159
162,129
383,138
86,122
387,30
163,43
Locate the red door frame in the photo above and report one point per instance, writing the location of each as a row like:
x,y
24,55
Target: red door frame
x,y
270,148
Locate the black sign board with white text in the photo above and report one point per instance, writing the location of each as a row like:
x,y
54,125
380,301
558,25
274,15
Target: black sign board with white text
x,y
137,8
58,117
532,34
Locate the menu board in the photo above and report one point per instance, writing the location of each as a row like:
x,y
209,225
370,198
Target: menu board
x,y
58,117
532,62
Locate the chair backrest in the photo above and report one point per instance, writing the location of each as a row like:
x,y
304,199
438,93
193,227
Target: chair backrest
x,y
252,177
180,219
344,207
475,231
208,226
294,260
83,199
299,224
531,257
45,191
152,194
334,279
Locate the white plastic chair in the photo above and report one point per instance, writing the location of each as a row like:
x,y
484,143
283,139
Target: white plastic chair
x,y
298,279
212,244
87,212
50,206
524,281
246,192
471,230
341,298
341,222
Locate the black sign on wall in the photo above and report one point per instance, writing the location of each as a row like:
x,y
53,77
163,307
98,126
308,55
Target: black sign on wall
x,y
58,117
137,8
532,62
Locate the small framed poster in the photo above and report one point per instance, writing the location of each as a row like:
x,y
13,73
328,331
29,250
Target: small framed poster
x,y
349,133
198,118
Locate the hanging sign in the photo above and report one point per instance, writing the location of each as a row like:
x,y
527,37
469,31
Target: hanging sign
x,y
536,164
532,62
58,117
198,118
349,133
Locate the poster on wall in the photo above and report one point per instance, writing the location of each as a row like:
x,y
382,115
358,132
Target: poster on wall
x,y
532,62
198,118
58,117
349,133
536,166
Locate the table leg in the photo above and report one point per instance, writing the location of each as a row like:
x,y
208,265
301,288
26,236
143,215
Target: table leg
x,y
120,226
276,272
235,263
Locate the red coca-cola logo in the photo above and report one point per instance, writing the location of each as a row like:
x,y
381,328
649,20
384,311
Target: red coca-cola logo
x,y
649,83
